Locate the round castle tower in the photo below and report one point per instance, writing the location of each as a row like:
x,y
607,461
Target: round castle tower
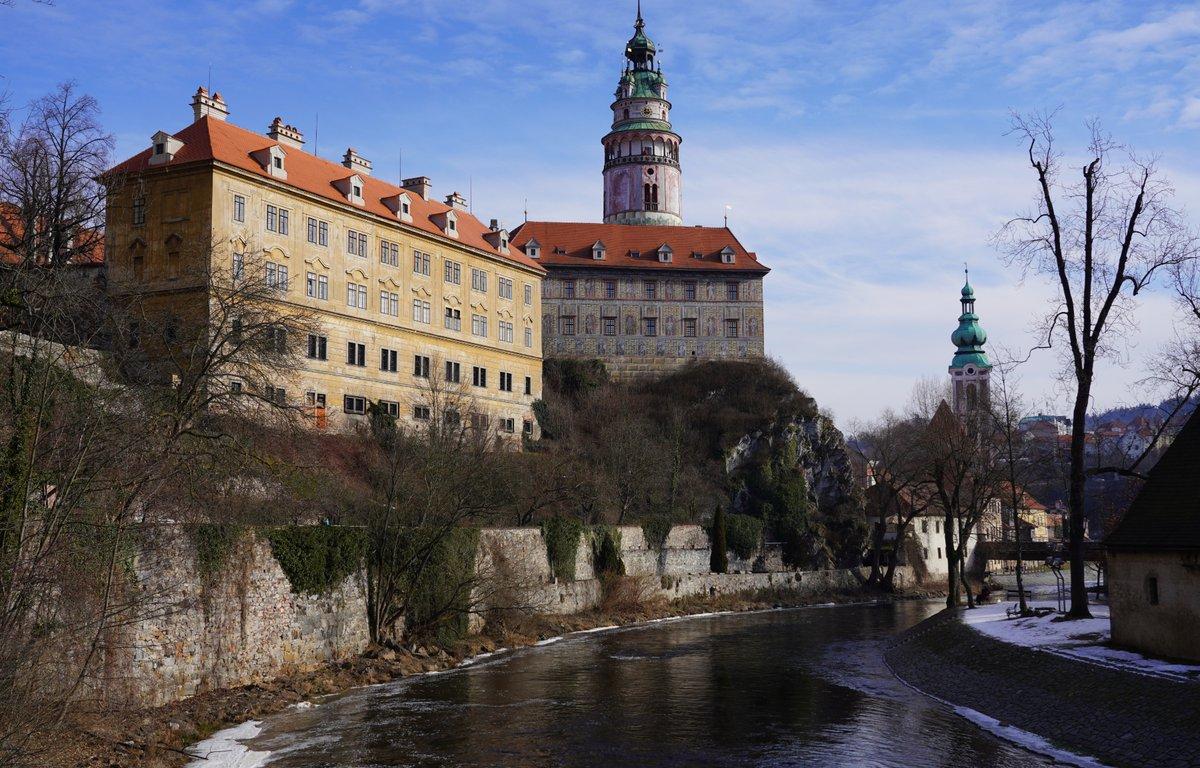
x,y
970,368
642,182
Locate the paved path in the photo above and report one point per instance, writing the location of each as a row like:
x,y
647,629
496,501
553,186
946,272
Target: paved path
x,y
1120,718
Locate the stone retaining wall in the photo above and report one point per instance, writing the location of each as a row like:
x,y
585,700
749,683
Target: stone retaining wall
x,y
239,626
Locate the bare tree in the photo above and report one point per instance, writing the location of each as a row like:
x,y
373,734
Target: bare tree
x,y
1006,413
1103,238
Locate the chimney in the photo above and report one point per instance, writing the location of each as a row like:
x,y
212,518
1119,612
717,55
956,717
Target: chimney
x,y
287,135
420,185
494,225
456,201
356,162
204,105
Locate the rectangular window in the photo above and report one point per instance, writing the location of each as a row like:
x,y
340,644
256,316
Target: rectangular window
x,y
529,385
506,331
608,326
505,382
452,272
479,376
312,230
277,276
1152,589
353,404
610,289
651,287
356,354
314,399
317,346
527,426
731,291
689,290
479,422
277,395
453,372
453,319
421,366
529,337
387,360
450,417
316,286
568,325
689,326
421,413
528,294
272,218
479,280
731,329
356,295
139,211
356,244
421,311
479,325
310,285
322,233
239,208
506,288
239,266
389,303
649,326
390,407
421,263
283,221
568,289
322,287
389,253
508,425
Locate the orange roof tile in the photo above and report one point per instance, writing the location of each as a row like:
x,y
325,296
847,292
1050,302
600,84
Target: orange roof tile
x,y
570,244
209,139
12,230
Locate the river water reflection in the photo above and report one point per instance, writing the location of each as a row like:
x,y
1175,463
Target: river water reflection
x,y
786,688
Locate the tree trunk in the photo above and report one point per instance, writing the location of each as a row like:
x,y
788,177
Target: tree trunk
x,y
1079,604
952,579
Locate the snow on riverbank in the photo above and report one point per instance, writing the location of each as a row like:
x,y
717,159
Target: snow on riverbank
x,y
224,749
1084,639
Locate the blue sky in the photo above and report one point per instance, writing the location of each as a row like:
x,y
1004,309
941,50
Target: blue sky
x,y
862,145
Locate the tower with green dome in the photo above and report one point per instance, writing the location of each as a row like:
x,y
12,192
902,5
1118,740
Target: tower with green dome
x,y
642,178
970,367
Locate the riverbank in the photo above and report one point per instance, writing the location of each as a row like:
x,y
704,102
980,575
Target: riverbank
x,y
159,737
1119,718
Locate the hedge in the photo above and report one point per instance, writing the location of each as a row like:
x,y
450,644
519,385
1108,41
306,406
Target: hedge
x,y
317,558
562,545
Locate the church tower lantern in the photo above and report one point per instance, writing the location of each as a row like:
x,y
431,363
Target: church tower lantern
x,y
642,182
970,368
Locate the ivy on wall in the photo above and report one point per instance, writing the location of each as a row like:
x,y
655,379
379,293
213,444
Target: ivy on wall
x,y
655,530
438,594
317,558
562,545
214,543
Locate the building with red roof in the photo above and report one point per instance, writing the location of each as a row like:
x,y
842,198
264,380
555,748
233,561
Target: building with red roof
x,y
639,290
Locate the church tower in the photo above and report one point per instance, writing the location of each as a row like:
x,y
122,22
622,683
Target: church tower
x,y
970,368
642,182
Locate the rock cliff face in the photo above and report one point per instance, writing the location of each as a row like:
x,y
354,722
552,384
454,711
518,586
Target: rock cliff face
x,y
820,451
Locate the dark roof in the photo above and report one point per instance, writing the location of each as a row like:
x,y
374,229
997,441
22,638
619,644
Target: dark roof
x,y
1166,513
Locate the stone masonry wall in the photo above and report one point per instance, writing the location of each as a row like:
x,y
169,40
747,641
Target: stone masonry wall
x,y
240,626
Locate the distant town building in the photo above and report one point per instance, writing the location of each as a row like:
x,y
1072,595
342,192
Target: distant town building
x,y
640,291
1154,557
405,288
970,367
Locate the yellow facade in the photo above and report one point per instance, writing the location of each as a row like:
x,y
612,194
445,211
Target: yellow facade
x,y
183,210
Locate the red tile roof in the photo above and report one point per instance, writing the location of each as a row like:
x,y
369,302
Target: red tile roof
x,y
210,139
12,231
570,244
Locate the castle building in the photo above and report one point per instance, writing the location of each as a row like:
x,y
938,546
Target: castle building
x,y
404,288
970,368
640,291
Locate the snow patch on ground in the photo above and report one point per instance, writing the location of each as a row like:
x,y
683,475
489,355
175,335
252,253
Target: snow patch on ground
x,y
1025,739
224,750
1083,639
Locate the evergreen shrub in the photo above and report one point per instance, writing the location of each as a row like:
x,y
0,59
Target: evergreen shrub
x,y
744,534
606,552
562,545
316,558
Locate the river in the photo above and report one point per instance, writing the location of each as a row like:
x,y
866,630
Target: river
x,y
805,687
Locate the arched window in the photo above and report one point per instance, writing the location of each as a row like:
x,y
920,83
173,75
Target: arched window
x,y
650,196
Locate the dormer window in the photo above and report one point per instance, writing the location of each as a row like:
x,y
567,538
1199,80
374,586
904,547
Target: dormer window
x,y
352,188
273,160
727,255
163,148
533,249
497,237
447,221
697,255
635,254
665,254
598,250
400,205
452,225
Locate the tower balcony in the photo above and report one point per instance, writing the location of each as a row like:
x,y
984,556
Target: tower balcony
x,y
641,160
